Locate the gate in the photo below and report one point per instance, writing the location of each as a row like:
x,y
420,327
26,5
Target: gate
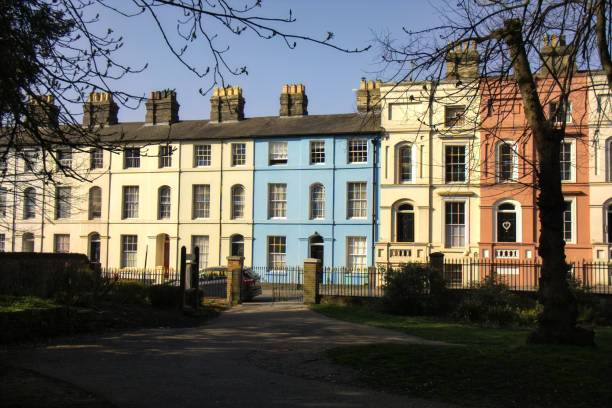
x,y
284,284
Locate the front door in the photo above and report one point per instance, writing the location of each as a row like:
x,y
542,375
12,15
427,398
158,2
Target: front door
x,y
167,253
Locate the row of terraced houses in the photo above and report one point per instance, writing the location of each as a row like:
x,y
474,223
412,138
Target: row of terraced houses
x,y
421,167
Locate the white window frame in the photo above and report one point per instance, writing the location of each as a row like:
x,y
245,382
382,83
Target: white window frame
x,y
572,143
238,201
357,155
3,201
29,204
519,220
200,209
351,201
96,158
63,204
2,242
61,243
552,111
130,208
165,156
351,254
275,258
398,161
278,154
164,203
238,152
29,238
91,202
514,151
466,223
456,120
131,160
202,155
573,214
204,249
129,251
465,167
608,159
277,201
317,152
31,156
317,204
64,157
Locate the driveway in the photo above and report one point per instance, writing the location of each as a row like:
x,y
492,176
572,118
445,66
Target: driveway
x,y
254,355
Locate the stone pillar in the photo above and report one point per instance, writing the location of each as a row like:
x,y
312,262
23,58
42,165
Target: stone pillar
x,y
234,279
436,262
312,271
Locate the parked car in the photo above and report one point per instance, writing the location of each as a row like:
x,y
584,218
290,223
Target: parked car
x,y
214,279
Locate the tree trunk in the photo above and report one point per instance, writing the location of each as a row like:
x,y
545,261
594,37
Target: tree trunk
x,y
557,322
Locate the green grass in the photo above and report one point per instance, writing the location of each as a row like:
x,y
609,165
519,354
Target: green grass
x,y
485,367
21,303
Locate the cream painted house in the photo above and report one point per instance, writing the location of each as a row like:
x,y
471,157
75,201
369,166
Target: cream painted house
x,y
600,166
429,171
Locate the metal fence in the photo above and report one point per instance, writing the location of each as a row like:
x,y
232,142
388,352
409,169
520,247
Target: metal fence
x,y
593,277
366,282
213,283
145,276
282,283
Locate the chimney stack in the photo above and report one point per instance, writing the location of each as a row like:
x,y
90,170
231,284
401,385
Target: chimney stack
x,y
555,55
293,100
227,104
162,108
462,61
368,96
100,109
43,111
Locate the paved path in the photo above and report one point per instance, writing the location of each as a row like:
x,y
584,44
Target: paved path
x,y
255,355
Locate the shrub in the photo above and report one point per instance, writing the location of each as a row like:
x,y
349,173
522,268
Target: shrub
x,y
166,296
490,303
414,290
125,292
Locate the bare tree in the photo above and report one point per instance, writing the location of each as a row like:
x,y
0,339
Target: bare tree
x,y
507,35
54,53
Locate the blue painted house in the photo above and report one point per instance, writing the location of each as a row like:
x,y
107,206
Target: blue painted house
x,y
316,191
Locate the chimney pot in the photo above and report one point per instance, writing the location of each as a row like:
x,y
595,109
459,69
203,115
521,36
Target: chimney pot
x,y
462,61
162,108
100,109
293,100
43,110
368,96
227,104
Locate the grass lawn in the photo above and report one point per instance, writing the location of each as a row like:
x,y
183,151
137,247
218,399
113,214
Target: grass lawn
x,y
487,366
21,303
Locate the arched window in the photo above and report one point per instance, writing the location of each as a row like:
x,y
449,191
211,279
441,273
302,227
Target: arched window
x,y
237,210
29,203
507,223
27,242
94,247
404,160
95,203
237,245
317,202
164,203
506,161
404,223
609,223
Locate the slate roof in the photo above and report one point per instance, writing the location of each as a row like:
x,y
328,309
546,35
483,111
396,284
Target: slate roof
x,y
266,126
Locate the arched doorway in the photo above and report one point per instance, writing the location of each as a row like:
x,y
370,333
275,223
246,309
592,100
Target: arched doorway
x,y
404,223
94,247
162,252
506,223
237,245
316,247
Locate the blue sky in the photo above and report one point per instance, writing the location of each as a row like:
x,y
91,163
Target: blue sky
x,y
329,75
